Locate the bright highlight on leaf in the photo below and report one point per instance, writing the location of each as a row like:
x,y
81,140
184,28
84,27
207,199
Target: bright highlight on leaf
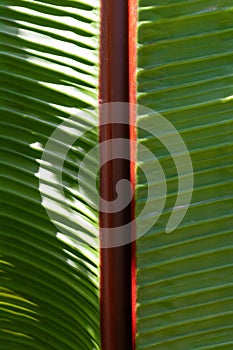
x,y
49,284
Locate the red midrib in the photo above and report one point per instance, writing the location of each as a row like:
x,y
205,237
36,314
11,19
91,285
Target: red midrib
x,y
118,84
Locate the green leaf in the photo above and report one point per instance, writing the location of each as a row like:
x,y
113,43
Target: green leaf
x,y
185,73
48,279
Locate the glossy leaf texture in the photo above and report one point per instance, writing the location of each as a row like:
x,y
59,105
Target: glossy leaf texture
x,y
48,280
184,279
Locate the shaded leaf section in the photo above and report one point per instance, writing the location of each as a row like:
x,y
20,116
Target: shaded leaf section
x,y
185,62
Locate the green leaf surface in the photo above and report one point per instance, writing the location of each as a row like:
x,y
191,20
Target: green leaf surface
x,y
48,71
184,279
